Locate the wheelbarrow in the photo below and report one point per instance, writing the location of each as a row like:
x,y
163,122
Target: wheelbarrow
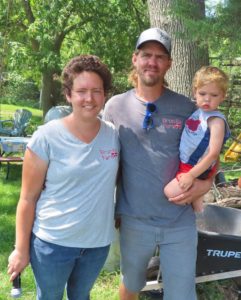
x,y
219,248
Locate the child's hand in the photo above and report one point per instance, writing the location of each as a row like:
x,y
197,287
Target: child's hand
x,y
185,181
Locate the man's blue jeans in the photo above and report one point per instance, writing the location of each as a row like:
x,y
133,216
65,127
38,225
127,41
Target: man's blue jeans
x,y
56,267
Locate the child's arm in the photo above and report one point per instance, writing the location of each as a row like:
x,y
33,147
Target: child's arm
x,y
217,130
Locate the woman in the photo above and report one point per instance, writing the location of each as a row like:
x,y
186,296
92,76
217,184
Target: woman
x,y
64,221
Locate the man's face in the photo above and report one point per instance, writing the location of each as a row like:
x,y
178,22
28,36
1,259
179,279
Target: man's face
x,y
151,63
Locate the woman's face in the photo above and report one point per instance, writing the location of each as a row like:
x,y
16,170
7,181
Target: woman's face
x,y
87,95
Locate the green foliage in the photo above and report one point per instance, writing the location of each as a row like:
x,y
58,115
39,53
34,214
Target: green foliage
x,y
37,31
225,22
210,291
219,30
111,34
16,87
120,83
39,37
231,107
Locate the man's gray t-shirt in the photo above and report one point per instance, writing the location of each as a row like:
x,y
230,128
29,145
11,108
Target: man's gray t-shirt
x,y
149,158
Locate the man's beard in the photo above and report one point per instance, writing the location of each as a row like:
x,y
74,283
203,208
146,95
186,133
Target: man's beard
x,y
150,81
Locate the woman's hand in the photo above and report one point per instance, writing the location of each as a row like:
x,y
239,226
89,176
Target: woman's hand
x,y
17,262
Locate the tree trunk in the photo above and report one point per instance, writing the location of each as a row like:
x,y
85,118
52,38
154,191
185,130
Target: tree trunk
x,y
187,56
46,99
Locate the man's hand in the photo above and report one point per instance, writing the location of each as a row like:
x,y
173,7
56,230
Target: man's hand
x,y
198,189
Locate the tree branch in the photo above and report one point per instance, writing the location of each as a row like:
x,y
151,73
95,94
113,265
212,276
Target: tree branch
x,y
31,19
28,11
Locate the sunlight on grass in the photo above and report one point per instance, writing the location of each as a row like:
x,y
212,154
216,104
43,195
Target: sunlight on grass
x,y
106,286
8,110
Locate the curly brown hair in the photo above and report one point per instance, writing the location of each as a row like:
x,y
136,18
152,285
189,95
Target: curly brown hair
x,y
81,63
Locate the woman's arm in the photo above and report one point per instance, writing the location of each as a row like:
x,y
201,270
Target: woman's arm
x,y
33,177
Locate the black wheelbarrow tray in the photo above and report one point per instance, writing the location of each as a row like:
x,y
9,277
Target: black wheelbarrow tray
x,y
219,247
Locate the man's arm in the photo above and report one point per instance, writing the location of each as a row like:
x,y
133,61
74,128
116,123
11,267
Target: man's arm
x,y
197,190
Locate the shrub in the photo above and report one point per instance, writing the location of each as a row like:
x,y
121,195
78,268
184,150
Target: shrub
x,y
15,88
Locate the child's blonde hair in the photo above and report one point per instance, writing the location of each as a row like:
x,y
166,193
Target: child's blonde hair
x,y
209,74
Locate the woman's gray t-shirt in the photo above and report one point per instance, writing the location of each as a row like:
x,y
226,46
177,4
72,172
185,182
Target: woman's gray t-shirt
x,y
76,206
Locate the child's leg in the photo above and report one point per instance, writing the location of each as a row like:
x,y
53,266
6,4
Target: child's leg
x,y
197,205
172,189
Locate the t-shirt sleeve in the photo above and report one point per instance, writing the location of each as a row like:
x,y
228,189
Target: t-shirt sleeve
x,y
39,144
107,113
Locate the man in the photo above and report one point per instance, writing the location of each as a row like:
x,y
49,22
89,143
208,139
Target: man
x,y
150,119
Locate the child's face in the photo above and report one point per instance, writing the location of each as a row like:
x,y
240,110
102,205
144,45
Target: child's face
x,y
209,96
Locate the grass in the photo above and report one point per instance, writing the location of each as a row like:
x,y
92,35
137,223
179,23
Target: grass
x,y
106,287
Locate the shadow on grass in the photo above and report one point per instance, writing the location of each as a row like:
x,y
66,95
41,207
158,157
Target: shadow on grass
x,y
15,173
7,238
10,190
9,194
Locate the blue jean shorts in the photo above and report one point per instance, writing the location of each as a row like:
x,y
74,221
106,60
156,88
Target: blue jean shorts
x,y
56,268
178,251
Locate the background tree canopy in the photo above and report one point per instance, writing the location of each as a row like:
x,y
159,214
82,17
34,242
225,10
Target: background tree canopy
x,y
38,37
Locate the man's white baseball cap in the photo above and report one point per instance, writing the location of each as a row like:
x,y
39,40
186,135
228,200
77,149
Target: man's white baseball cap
x,y
157,35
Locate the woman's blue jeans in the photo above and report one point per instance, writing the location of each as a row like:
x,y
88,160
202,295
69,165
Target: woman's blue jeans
x,y
56,267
